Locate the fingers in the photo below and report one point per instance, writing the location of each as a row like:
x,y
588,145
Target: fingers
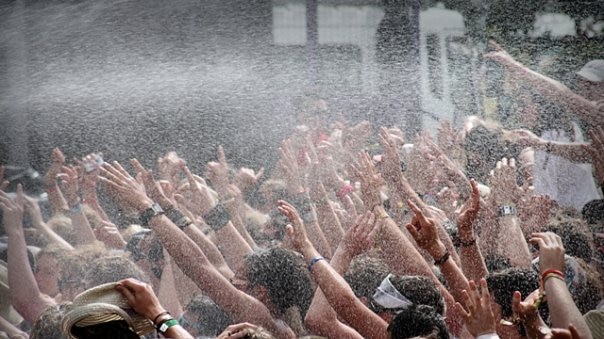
x,y
418,212
20,196
221,156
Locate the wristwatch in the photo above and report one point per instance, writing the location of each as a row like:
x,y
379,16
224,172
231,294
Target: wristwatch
x,y
150,213
506,210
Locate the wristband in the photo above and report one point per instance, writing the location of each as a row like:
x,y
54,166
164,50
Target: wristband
x,y
552,271
217,217
159,315
442,259
551,275
313,261
150,213
165,325
178,218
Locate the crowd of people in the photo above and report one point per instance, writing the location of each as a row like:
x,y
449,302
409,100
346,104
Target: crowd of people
x,y
481,231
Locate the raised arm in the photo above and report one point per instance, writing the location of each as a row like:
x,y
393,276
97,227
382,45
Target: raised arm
x,y
35,214
336,290
182,249
425,233
551,89
24,292
69,184
55,197
562,309
472,261
321,319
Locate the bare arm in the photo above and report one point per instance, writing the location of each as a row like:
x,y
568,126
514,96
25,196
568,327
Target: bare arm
x,y
472,262
38,222
321,318
83,232
551,89
181,248
562,308
336,290
24,292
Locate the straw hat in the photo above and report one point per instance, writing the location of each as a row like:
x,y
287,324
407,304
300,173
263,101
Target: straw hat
x,y
103,304
595,322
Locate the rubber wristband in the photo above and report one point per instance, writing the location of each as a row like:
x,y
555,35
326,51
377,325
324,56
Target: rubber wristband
x,y
159,315
552,275
442,259
313,261
167,324
552,271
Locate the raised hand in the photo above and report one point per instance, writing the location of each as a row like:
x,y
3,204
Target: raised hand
x,y
359,238
477,312
124,188
58,160
199,200
526,310
247,177
109,234
69,185
551,251
3,182
295,229
468,214
218,172
425,233
152,188
12,210
504,189
289,164
370,181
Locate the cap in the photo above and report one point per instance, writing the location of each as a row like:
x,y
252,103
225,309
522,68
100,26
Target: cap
x,y
593,71
103,304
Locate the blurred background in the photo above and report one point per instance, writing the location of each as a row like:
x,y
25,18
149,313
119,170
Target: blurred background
x,y
137,78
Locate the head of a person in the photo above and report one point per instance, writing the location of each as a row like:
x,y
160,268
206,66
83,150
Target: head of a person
x,y
61,224
396,293
73,269
202,317
279,278
145,249
483,146
418,321
112,268
575,235
47,271
590,80
364,276
502,285
49,323
103,312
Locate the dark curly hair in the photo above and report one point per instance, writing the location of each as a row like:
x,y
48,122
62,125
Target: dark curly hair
x,y
418,320
419,290
365,274
503,284
284,274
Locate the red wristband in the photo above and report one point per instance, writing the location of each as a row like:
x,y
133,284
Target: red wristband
x,y
552,271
